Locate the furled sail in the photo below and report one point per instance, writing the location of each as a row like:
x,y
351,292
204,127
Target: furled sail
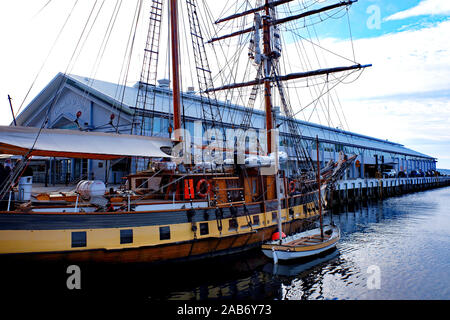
x,y
79,144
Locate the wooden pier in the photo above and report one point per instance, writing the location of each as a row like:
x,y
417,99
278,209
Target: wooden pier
x,y
349,191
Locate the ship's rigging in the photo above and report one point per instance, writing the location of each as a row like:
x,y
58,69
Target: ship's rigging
x,y
265,52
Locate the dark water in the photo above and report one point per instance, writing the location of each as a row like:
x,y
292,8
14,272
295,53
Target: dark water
x,y
398,248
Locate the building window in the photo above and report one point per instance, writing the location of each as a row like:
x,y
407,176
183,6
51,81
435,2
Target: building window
x,y
79,239
164,233
126,236
314,145
328,147
204,228
156,125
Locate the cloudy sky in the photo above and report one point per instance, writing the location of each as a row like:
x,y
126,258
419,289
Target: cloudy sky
x,y
404,97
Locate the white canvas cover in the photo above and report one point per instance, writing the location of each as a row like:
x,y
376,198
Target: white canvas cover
x,y
78,144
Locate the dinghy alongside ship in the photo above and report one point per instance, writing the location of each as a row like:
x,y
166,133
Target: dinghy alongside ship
x,y
303,245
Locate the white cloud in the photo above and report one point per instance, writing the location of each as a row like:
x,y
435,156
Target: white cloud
x,y
407,62
405,96
425,7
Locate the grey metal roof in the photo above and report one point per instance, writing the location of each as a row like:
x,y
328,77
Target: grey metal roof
x,y
125,97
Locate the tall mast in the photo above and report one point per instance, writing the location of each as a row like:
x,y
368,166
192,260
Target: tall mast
x,y
267,71
175,67
272,183
319,187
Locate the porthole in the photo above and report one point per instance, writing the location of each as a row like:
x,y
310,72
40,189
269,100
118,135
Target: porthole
x,y
274,216
79,239
233,224
256,220
126,236
164,233
204,228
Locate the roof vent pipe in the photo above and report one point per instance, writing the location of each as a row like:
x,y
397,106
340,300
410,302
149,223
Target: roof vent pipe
x,y
164,83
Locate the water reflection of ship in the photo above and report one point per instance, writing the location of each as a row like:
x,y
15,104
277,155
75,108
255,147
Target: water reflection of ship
x,y
256,277
239,277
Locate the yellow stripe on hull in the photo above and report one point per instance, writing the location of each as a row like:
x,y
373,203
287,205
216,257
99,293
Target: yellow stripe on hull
x,y
40,241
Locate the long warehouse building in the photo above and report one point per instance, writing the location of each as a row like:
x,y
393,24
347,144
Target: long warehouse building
x,y
74,102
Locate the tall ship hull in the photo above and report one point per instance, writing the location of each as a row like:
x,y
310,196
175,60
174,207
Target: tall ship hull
x,y
150,236
223,218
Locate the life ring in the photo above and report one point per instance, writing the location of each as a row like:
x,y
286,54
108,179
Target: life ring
x,y
199,185
292,186
276,235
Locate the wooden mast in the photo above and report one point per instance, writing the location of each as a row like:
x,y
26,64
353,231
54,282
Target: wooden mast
x,y
319,187
267,71
271,181
176,91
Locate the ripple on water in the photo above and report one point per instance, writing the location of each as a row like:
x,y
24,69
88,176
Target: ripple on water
x,y
406,237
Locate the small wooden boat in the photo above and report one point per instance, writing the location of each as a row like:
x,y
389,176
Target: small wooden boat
x,y
301,245
295,270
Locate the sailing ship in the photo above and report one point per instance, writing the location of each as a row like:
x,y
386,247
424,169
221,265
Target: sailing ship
x,y
174,210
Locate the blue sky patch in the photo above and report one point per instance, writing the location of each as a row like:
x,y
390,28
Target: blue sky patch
x,y
367,19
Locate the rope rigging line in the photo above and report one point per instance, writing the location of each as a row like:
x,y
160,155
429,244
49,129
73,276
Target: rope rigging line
x,y
328,91
18,171
122,78
131,41
149,70
351,36
87,35
229,72
316,93
47,57
211,111
42,9
100,54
